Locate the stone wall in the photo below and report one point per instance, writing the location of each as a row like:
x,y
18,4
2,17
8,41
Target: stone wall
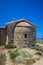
x,y
19,36
22,36
2,36
10,33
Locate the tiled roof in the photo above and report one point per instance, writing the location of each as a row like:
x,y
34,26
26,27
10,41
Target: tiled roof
x,y
21,20
23,24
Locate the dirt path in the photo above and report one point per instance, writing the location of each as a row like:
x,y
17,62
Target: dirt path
x,y
39,62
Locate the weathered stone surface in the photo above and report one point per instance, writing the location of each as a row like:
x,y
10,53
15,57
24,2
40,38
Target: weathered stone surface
x,y
10,34
21,35
2,36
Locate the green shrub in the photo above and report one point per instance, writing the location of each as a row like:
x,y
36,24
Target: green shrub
x,y
9,46
36,47
14,54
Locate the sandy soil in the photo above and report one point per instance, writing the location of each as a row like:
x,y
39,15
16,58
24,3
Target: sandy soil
x,y
39,62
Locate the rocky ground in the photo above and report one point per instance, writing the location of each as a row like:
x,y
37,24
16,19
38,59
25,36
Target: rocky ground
x,y
22,60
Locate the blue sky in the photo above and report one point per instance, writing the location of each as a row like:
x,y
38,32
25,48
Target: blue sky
x,y
31,10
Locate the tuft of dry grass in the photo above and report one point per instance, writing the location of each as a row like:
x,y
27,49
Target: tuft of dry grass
x,y
2,59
